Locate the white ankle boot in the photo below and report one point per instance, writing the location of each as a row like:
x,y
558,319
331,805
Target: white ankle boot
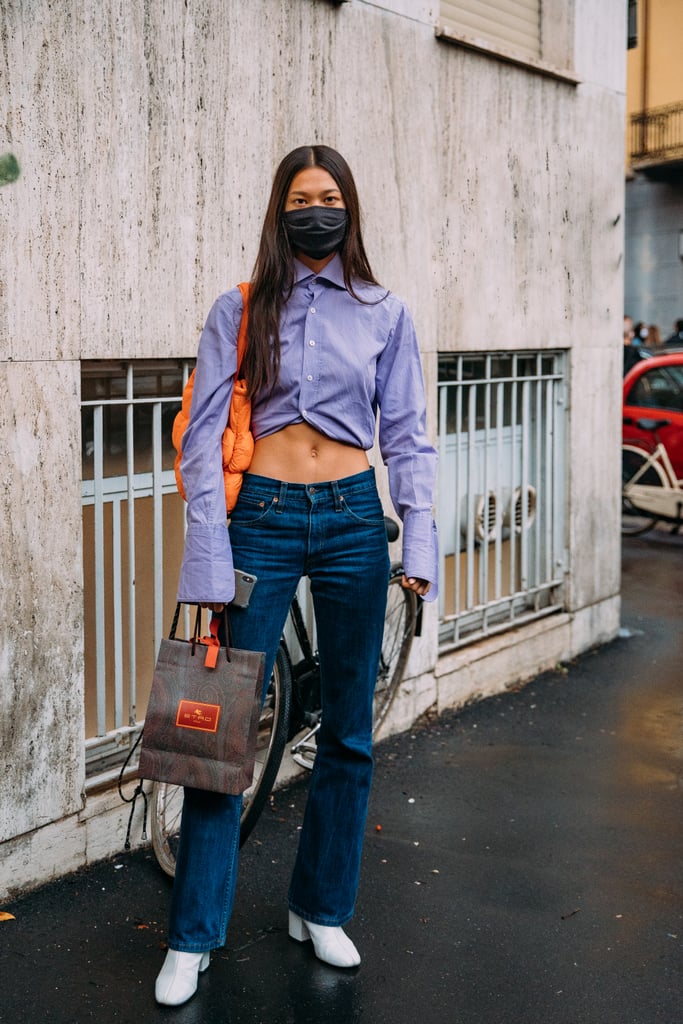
x,y
177,979
331,945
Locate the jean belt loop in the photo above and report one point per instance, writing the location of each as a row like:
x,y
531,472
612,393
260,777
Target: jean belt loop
x,y
338,499
281,499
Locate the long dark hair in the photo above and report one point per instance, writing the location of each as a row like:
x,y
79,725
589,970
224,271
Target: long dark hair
x,y
273,277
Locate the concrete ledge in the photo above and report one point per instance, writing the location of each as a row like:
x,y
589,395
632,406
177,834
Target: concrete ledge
x,y
507,659
64,846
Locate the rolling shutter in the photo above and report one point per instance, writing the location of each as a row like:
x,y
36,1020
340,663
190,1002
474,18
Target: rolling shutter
x,y
509,24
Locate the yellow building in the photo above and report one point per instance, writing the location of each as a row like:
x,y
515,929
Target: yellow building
x,y
654,161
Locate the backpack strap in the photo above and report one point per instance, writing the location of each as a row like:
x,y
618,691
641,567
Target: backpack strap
x,y
244,288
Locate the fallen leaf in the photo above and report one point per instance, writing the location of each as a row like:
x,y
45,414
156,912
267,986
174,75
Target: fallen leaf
x,y
4,916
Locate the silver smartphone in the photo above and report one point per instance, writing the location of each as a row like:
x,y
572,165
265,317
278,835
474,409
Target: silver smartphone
x,y
244,584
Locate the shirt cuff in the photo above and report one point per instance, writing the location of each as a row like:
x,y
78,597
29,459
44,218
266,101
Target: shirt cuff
x,y
421,550
207,572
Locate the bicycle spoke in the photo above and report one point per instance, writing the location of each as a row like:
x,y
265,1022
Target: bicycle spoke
x,y
399,629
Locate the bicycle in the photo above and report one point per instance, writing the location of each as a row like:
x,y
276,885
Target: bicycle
x,y
292,706
650,489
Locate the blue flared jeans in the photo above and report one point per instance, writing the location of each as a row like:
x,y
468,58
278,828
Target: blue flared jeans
x,y
334,533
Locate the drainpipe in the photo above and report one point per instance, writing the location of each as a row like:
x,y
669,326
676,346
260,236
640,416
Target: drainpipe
x,y
644,91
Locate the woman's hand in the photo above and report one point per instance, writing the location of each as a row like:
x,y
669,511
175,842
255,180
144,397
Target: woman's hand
x,y
214,606
421,587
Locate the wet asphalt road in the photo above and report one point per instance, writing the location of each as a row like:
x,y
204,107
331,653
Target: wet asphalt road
x,y
528,869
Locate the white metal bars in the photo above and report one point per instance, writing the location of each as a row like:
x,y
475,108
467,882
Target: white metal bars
x,y
127,409
501,507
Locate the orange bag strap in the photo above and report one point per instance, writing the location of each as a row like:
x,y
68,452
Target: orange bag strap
x,y
244,288
213,644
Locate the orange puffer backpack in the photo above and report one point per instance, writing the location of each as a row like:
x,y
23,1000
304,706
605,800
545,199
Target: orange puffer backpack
x,y
238,441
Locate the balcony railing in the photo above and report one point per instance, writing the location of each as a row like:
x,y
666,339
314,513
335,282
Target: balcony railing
x,y
656,136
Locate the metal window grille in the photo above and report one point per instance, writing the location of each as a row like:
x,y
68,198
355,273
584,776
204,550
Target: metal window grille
x,y
133,527
501,507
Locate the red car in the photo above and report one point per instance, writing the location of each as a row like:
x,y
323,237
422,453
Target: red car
x,y
653,389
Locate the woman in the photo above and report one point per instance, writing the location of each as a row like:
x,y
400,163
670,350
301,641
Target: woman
x,y
327,347
654,337
641,332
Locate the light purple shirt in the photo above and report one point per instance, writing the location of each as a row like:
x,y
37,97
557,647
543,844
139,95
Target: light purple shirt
x,y
342,361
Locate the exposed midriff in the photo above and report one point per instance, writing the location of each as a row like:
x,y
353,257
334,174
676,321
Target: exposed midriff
x,y
299,454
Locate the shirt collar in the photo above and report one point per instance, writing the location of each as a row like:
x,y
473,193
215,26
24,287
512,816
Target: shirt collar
x,y
332,272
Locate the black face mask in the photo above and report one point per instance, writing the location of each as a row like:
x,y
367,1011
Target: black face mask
x,y
316,231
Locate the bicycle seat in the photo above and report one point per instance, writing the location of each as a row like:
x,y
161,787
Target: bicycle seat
x,y
648,424
392,528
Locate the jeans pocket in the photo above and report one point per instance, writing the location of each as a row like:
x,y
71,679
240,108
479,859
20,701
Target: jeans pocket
x,y
251,510
365,507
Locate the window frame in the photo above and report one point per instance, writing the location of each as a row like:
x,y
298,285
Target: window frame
x,y
556,41
668,376
122,490
501,495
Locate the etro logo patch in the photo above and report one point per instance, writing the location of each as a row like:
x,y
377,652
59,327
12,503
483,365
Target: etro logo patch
x,y
194,715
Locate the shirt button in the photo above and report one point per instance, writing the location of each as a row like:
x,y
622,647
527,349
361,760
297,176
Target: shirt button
x,y
312,309
309,377
311,342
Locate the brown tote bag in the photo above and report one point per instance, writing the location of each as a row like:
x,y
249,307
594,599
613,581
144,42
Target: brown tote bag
x,y
203,712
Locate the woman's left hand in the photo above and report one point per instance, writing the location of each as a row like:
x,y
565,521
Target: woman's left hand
x,y
421,587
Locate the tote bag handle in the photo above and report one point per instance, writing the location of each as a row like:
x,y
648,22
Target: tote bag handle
x,y
212,640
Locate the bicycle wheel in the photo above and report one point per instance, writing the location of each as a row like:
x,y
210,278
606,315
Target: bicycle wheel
x,y
399,629
634,521
167,800
272,737
167,809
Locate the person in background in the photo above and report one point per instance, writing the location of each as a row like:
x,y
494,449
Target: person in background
x,y
654,337
631,352
640,334
675,340
328,349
